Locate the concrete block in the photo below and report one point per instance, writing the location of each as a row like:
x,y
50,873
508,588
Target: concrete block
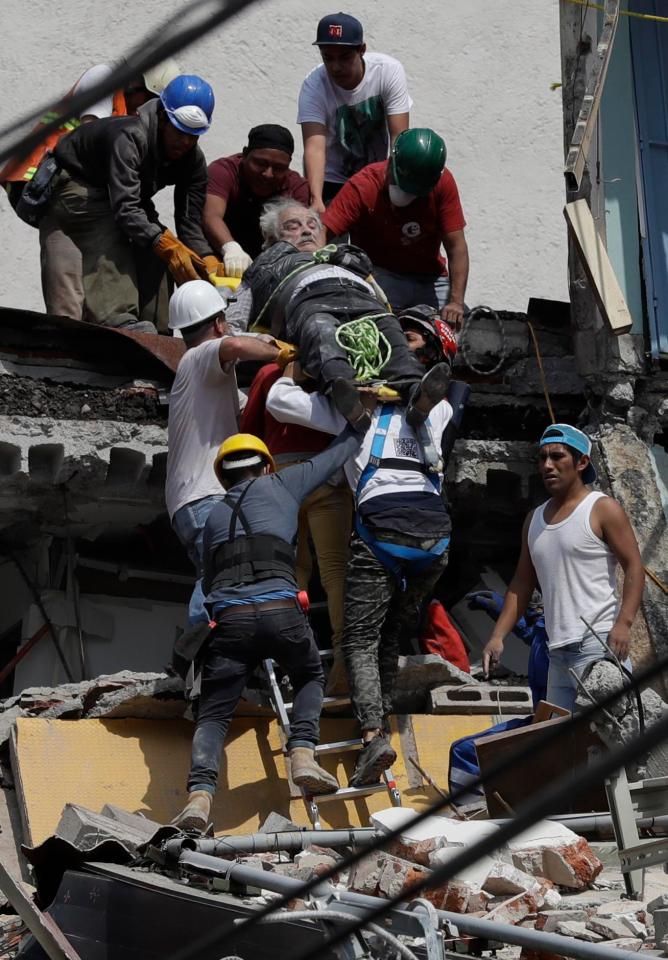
x,y
609,928
579,931
10,459
658,903
660,918
382,875
125,466
548,920
551,850
481,698
504,879
45,461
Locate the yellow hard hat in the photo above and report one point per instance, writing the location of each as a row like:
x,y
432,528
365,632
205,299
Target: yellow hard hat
x,y
242,443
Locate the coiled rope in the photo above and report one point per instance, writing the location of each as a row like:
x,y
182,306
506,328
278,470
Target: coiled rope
x,y
367,347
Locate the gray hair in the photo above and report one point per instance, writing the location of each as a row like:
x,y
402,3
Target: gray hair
x,y
271,215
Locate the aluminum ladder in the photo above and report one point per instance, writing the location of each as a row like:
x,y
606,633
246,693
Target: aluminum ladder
x,y
282,711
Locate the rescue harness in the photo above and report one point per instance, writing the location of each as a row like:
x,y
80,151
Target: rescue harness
x,y
398,558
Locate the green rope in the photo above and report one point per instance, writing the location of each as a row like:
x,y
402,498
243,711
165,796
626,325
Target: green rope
x,y
367,347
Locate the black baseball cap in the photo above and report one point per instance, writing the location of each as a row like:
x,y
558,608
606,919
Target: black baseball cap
x,y
339,28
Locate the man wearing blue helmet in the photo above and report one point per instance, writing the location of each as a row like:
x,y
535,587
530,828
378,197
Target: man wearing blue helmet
x,y
102,199
570,548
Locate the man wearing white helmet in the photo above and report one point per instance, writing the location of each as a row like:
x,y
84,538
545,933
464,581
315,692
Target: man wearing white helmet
x,y
102,200
203,411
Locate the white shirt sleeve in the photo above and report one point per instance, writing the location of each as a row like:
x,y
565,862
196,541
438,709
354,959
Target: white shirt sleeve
x,y
396,98
312,101
93,76
288,403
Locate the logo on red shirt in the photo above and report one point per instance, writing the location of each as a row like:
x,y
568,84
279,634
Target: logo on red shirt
x,y
335,30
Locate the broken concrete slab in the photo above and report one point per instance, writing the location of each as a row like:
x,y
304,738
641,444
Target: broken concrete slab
x,y
549,849
549,920
504,879
141,696
277,823
609,928
579,931
418,843
416,676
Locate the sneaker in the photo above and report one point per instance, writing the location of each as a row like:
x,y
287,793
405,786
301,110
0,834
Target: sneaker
x,y
347,401
431,390
375,757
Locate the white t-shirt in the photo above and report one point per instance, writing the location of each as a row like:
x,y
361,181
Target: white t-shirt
x,y
92,76
356,120
288,403
203,411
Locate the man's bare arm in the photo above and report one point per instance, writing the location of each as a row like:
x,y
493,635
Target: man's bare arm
x,y
396,124
213,222
458,268
246,348
315,150
617,532
515,602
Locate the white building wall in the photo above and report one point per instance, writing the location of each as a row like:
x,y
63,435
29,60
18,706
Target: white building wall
x,y
479,73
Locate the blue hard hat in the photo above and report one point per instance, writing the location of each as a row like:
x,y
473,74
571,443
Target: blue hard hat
x,y
188,101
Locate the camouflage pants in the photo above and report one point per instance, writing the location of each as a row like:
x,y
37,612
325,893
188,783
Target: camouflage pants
x,y
377,613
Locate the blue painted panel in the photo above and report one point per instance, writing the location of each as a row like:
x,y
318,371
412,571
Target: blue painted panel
x,y
649,48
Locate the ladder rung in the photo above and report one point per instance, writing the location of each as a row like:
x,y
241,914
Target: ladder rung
x,y
327,702
340,746
349,793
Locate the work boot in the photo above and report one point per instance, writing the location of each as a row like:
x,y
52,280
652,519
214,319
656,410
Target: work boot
x,y
376,756
347,401
194,817
431,390
306,772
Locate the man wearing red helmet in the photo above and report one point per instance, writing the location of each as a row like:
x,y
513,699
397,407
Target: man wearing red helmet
x,y
399,548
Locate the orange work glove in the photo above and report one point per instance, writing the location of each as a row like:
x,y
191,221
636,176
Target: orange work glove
x,y
182,262
287,352
213,265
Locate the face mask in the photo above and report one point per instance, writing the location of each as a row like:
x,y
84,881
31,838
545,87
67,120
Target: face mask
x,y
399,197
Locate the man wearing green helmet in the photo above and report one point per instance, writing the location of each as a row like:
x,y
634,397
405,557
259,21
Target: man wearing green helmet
x,y
400,211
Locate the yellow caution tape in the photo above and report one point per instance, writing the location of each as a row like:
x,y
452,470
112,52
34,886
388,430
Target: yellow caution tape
x,y
622,13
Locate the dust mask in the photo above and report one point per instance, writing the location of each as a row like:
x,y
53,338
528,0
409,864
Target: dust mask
x,y
399,197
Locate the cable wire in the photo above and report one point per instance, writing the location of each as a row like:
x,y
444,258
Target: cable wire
x,y
578,723
152,50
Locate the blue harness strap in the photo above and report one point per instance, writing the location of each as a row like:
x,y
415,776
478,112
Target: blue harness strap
x,y
394,556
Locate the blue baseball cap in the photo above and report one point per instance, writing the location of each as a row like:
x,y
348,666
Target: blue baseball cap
x,y
340,28
565,433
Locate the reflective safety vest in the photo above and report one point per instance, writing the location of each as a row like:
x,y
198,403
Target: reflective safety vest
x,y
253,558
16,170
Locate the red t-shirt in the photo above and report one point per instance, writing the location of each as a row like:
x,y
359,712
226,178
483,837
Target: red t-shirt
x,y
401,239
242,214
279,437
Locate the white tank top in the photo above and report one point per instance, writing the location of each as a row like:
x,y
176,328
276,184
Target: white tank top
x,y
576,573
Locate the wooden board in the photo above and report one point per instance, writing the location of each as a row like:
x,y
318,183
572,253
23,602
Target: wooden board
x,y
548,763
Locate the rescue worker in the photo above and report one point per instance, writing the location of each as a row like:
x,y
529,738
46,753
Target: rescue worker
x,y
109,171
400,211
571,546
303,293
251,594
325,518
399,547
351,107
60,260
238,188
203,411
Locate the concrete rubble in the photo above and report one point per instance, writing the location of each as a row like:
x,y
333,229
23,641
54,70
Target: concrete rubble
x,y
124,694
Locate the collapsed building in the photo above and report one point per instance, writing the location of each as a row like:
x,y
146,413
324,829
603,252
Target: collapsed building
x,y
95,586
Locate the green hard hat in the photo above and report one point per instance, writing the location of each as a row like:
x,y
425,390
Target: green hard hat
x,y
418,160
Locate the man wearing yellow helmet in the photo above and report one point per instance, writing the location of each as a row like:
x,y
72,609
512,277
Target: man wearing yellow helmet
x,y
251,593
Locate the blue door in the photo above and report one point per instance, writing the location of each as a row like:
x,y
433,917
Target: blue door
x,y
649,50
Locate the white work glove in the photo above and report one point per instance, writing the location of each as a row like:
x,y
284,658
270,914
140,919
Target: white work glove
x,y
235,258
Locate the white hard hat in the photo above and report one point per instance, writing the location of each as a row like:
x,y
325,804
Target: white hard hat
x,y
192,303
156,78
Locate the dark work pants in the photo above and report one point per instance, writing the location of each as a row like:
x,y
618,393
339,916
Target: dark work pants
x,y
311,324
242,642
377,614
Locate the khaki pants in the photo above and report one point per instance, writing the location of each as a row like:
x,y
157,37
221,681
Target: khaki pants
x,y
110,264
62,273
327,517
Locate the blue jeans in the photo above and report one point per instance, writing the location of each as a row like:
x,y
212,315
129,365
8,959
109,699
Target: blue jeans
x,y
408,289
561,686
188,525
